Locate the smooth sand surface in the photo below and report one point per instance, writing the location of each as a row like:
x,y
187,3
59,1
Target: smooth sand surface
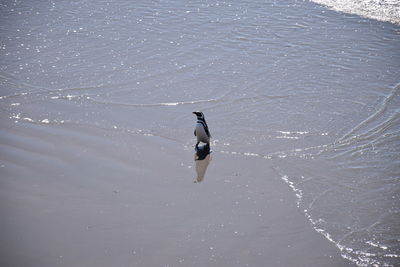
x,y
117,199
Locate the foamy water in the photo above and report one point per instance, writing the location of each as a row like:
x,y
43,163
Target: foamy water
x,y
384,10
312,91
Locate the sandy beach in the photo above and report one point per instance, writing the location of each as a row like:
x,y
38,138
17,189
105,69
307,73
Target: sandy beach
x,y
146,210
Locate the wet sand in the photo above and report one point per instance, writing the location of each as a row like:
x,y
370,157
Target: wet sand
x,y
112,198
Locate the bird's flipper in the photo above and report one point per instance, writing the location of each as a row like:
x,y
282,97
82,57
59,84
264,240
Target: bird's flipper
x,y
207,132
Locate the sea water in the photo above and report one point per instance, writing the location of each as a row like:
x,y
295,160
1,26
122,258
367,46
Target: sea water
x,y
313,91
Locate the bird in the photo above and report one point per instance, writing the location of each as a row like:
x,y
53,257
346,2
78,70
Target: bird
x,y
201,131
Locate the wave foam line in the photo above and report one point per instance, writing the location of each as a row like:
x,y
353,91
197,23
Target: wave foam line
x,y
358,257
284,154
382,10
40,90
18,118
44,91
162,104
378,112
372,138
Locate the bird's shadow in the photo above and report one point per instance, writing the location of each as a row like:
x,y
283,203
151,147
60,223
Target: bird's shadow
x,y
202,158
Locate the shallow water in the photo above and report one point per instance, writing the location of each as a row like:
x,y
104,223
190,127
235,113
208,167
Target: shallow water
x,y
313,91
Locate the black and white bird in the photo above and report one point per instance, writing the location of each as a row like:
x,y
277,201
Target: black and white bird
x,y
201,131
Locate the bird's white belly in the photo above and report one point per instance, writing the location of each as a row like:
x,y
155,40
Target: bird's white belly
x,y
201,134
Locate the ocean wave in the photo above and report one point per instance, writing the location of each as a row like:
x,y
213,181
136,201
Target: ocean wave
x,y
382,10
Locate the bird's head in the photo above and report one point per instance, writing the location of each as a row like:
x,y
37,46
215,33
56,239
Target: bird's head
x,y
199,114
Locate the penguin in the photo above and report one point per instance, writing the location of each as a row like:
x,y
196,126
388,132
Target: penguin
x,y
201,131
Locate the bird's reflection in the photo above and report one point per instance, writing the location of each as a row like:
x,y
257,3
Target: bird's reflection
x,y
202,159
